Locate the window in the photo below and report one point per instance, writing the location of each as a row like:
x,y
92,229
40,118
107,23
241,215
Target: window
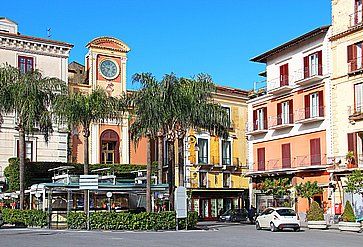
x,y
228,110
226,153
202,179
314,105
286,155
315,153
25,64
203,151
261,159
28,150
226,180
313,64
284,75
285,112
260,119
358,12
358,97
355,58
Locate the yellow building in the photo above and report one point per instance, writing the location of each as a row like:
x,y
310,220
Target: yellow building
x,y
214,167
347,91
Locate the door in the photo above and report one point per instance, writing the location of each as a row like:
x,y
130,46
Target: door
x,y
315,153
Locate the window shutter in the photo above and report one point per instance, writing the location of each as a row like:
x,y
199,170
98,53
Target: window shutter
x,y
352,54
254,119
284,75
321,103
315,154
291,111
356,2
286,155
279,113
307,106
352,145
320,63
265,118
261,159
306,67
281,75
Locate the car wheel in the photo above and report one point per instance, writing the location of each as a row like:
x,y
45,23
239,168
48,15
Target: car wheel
x,y
297,229
258,227
273,227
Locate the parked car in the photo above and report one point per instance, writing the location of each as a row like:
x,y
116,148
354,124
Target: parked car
x,y
278,219
234,215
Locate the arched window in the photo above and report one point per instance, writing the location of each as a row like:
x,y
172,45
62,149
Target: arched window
x,y
110,145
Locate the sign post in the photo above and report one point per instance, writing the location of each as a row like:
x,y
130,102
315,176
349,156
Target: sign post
x,y
87,183
181,208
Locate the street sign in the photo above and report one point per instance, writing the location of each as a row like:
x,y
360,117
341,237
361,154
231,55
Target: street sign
x,y
180,195
88,182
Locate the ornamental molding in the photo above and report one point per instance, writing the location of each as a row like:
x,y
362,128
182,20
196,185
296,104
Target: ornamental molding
x,y
97,43
16,44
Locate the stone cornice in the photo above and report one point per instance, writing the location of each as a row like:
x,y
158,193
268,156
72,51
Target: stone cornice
x,y
34,47
95,43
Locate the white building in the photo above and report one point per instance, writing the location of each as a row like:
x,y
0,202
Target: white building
x,y
51,59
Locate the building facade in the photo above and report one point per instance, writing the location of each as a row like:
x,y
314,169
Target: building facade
x,y
288,129
51,59
215,167
105,67
347,95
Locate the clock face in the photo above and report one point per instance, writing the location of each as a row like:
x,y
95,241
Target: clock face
x,y
109,69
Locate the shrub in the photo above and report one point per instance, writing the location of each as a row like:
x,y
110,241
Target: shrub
x,y
25,217
315,212
128,221
348,215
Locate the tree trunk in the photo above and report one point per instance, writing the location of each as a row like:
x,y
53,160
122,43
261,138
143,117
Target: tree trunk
x,y
160,159
148,177
21,166
86,135
171,173
181,161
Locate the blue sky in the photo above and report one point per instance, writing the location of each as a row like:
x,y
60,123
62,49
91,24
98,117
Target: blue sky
x,y
186,37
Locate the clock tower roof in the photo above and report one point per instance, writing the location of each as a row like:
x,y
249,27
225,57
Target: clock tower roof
x,y
109,43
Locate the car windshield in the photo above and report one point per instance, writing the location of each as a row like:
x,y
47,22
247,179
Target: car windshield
x,y
286,212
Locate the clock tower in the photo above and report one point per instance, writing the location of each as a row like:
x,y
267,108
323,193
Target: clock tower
x,y
105,66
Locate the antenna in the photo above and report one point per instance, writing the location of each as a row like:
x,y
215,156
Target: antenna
x,y
49,34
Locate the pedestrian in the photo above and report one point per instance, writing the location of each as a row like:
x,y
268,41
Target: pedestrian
x,y
252,214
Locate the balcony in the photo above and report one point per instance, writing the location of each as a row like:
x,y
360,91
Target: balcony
x,y
306,76
355,113
279,86
256,128
289,164
281,122
309,115
356,19
355,66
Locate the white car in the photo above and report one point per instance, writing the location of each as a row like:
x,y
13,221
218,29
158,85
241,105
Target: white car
x,y
278,219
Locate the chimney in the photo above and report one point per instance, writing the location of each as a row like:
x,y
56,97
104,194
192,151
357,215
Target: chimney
x,y
8,26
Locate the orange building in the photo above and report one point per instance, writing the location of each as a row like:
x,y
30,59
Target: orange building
x,y
289,119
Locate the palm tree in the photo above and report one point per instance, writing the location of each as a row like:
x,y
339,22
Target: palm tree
x,y
81,110
172,107
30,96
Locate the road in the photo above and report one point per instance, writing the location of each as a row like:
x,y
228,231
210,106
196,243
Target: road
x,y
217,235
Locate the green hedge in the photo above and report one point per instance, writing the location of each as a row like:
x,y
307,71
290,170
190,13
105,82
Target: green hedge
x,y
25,217
128,221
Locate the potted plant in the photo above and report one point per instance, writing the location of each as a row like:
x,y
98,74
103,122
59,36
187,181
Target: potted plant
x,y
261,91
252,94
315,217
349,222
350,158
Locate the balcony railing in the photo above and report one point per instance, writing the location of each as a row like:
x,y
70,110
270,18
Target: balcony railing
x,y
296,162
355,112
355,65
307,75
281,121
309,114
256,127
279,85
356,19
202,159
